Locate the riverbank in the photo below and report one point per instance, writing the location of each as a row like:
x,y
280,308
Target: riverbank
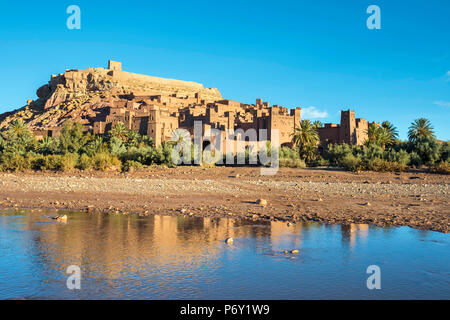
x,y
415,199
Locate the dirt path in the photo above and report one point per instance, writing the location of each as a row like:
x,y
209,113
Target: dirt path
x,y
415,199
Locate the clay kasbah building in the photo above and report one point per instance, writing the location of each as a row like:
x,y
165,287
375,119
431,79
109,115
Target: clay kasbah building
x,y
99,98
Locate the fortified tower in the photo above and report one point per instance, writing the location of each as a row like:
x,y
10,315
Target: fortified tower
x,y
114,65
348,126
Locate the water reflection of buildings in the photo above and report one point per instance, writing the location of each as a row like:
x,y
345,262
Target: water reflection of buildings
x,y
353,232
110,245
279,230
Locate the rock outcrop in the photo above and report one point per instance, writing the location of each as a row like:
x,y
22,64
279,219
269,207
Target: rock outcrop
x,y
82,94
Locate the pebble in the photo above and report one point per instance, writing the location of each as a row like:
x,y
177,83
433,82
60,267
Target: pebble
x,y
262,202
229,240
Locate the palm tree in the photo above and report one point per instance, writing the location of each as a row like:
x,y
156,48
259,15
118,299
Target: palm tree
x,y
19,128
372,133
72,137
317,124
306,137
18,138
93,145
305,133
132,138
47,145
379,135
420,128
18,132
119,131
393,132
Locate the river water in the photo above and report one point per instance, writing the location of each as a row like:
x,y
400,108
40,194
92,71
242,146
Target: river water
x,y
159,257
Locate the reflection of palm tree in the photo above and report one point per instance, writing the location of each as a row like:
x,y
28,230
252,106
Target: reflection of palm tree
x,y
420,128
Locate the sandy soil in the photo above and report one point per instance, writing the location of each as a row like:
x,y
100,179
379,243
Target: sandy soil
x,y
415,199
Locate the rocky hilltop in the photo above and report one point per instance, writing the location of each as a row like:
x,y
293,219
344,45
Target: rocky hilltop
x,y
83,94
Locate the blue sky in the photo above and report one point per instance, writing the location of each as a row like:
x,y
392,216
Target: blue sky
x,y
315,54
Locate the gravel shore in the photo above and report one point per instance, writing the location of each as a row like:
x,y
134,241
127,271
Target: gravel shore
x,y
415,199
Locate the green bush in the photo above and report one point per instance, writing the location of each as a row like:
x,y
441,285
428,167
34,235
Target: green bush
x,y
141,154
337,152
427,148
94,145
402,157
84,162
53,162
104,161
131,165
322,162
72,137
382,165
371,157
372,151
157,155
415,159
352,163
116,146
15,162
68,161
38,162
292,163
445,152
289,153
162,155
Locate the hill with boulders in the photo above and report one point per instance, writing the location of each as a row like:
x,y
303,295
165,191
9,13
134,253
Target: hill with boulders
x,y
84,95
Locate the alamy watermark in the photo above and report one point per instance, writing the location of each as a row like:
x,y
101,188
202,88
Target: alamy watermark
x,y
74,280
374,20
74,20
374,281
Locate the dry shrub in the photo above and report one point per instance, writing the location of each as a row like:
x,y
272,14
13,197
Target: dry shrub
x,y
104,161
292,163
442,167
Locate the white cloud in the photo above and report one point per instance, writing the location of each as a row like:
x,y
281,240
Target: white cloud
x,y
313,113
442,103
